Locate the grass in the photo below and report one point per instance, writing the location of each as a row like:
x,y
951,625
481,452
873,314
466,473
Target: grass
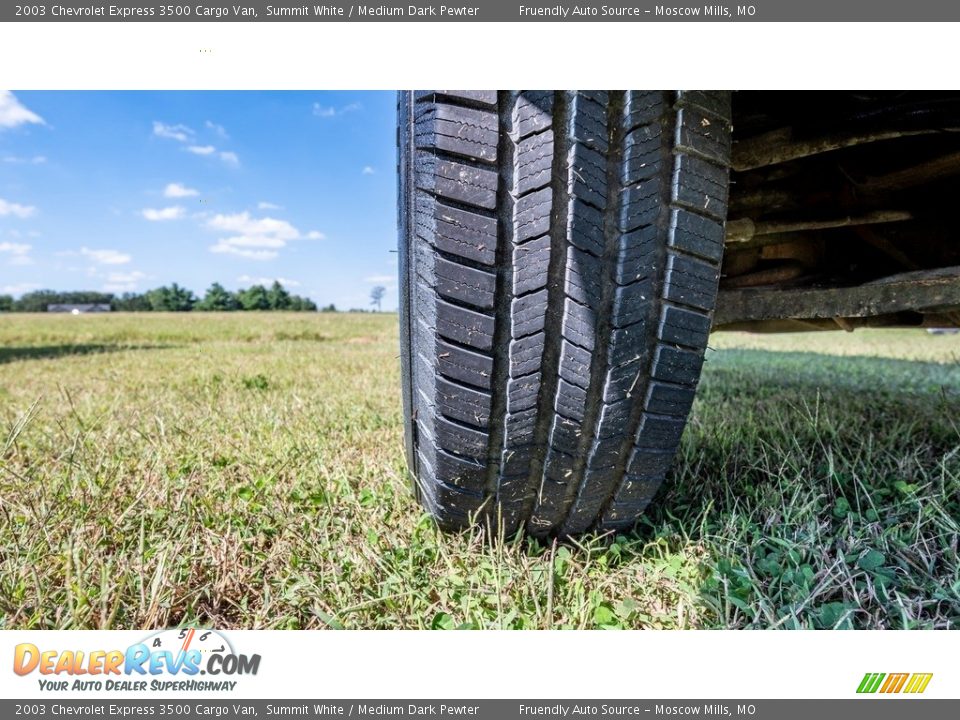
x,y
247,471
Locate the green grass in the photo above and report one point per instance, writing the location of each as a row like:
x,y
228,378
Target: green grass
x,y
247,471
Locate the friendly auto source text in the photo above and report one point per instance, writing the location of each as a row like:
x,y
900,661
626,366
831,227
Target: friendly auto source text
x,y
582,11
576,710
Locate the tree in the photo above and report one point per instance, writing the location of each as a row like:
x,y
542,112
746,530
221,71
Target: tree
x,y
38,300
171,299
218,299
131,302
278,297
254,298
329,308
302,304
376,296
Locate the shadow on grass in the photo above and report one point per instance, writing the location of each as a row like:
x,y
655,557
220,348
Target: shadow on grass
x,y
809,491
52,352
823,491
813,371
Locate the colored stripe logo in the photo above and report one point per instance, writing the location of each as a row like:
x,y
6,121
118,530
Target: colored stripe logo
x,y
912,683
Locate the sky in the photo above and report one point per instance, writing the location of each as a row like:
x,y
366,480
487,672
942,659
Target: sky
x,y
127,191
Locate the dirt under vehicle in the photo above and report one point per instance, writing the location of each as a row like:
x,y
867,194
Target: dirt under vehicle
x,y
565,255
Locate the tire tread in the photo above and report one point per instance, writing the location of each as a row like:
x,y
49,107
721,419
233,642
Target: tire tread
x,y
561,254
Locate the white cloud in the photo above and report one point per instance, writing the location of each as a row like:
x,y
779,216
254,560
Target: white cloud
x,y
19,288
169,213
268,206
180,133
380,279
250,237
14,114
106,257
16,160
367,170
286,282
329,111
244,224
14,248
126,277
123,282
255,241
316,235
19,211
19,253
224,247
230,158
184,134
176,190
218,129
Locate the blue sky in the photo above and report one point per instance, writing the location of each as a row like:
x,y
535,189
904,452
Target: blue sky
x,y
125,191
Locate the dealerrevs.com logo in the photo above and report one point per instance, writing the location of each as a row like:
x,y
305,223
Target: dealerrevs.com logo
x,y
169,660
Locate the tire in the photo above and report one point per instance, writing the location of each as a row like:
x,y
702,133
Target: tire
x,y
559,259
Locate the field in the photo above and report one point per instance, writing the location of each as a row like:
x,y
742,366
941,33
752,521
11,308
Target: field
x,y
246,470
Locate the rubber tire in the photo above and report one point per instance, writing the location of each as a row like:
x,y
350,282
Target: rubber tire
x,y
559,259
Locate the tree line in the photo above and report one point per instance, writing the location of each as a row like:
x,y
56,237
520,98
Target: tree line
x,y
172,298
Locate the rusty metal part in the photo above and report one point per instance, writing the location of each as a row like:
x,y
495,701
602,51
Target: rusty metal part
x,y
937,275
768,276
920,174
934,291
806,251
763,199
780,146
740,262
844,324
875,240
789,325
739,230
746,232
